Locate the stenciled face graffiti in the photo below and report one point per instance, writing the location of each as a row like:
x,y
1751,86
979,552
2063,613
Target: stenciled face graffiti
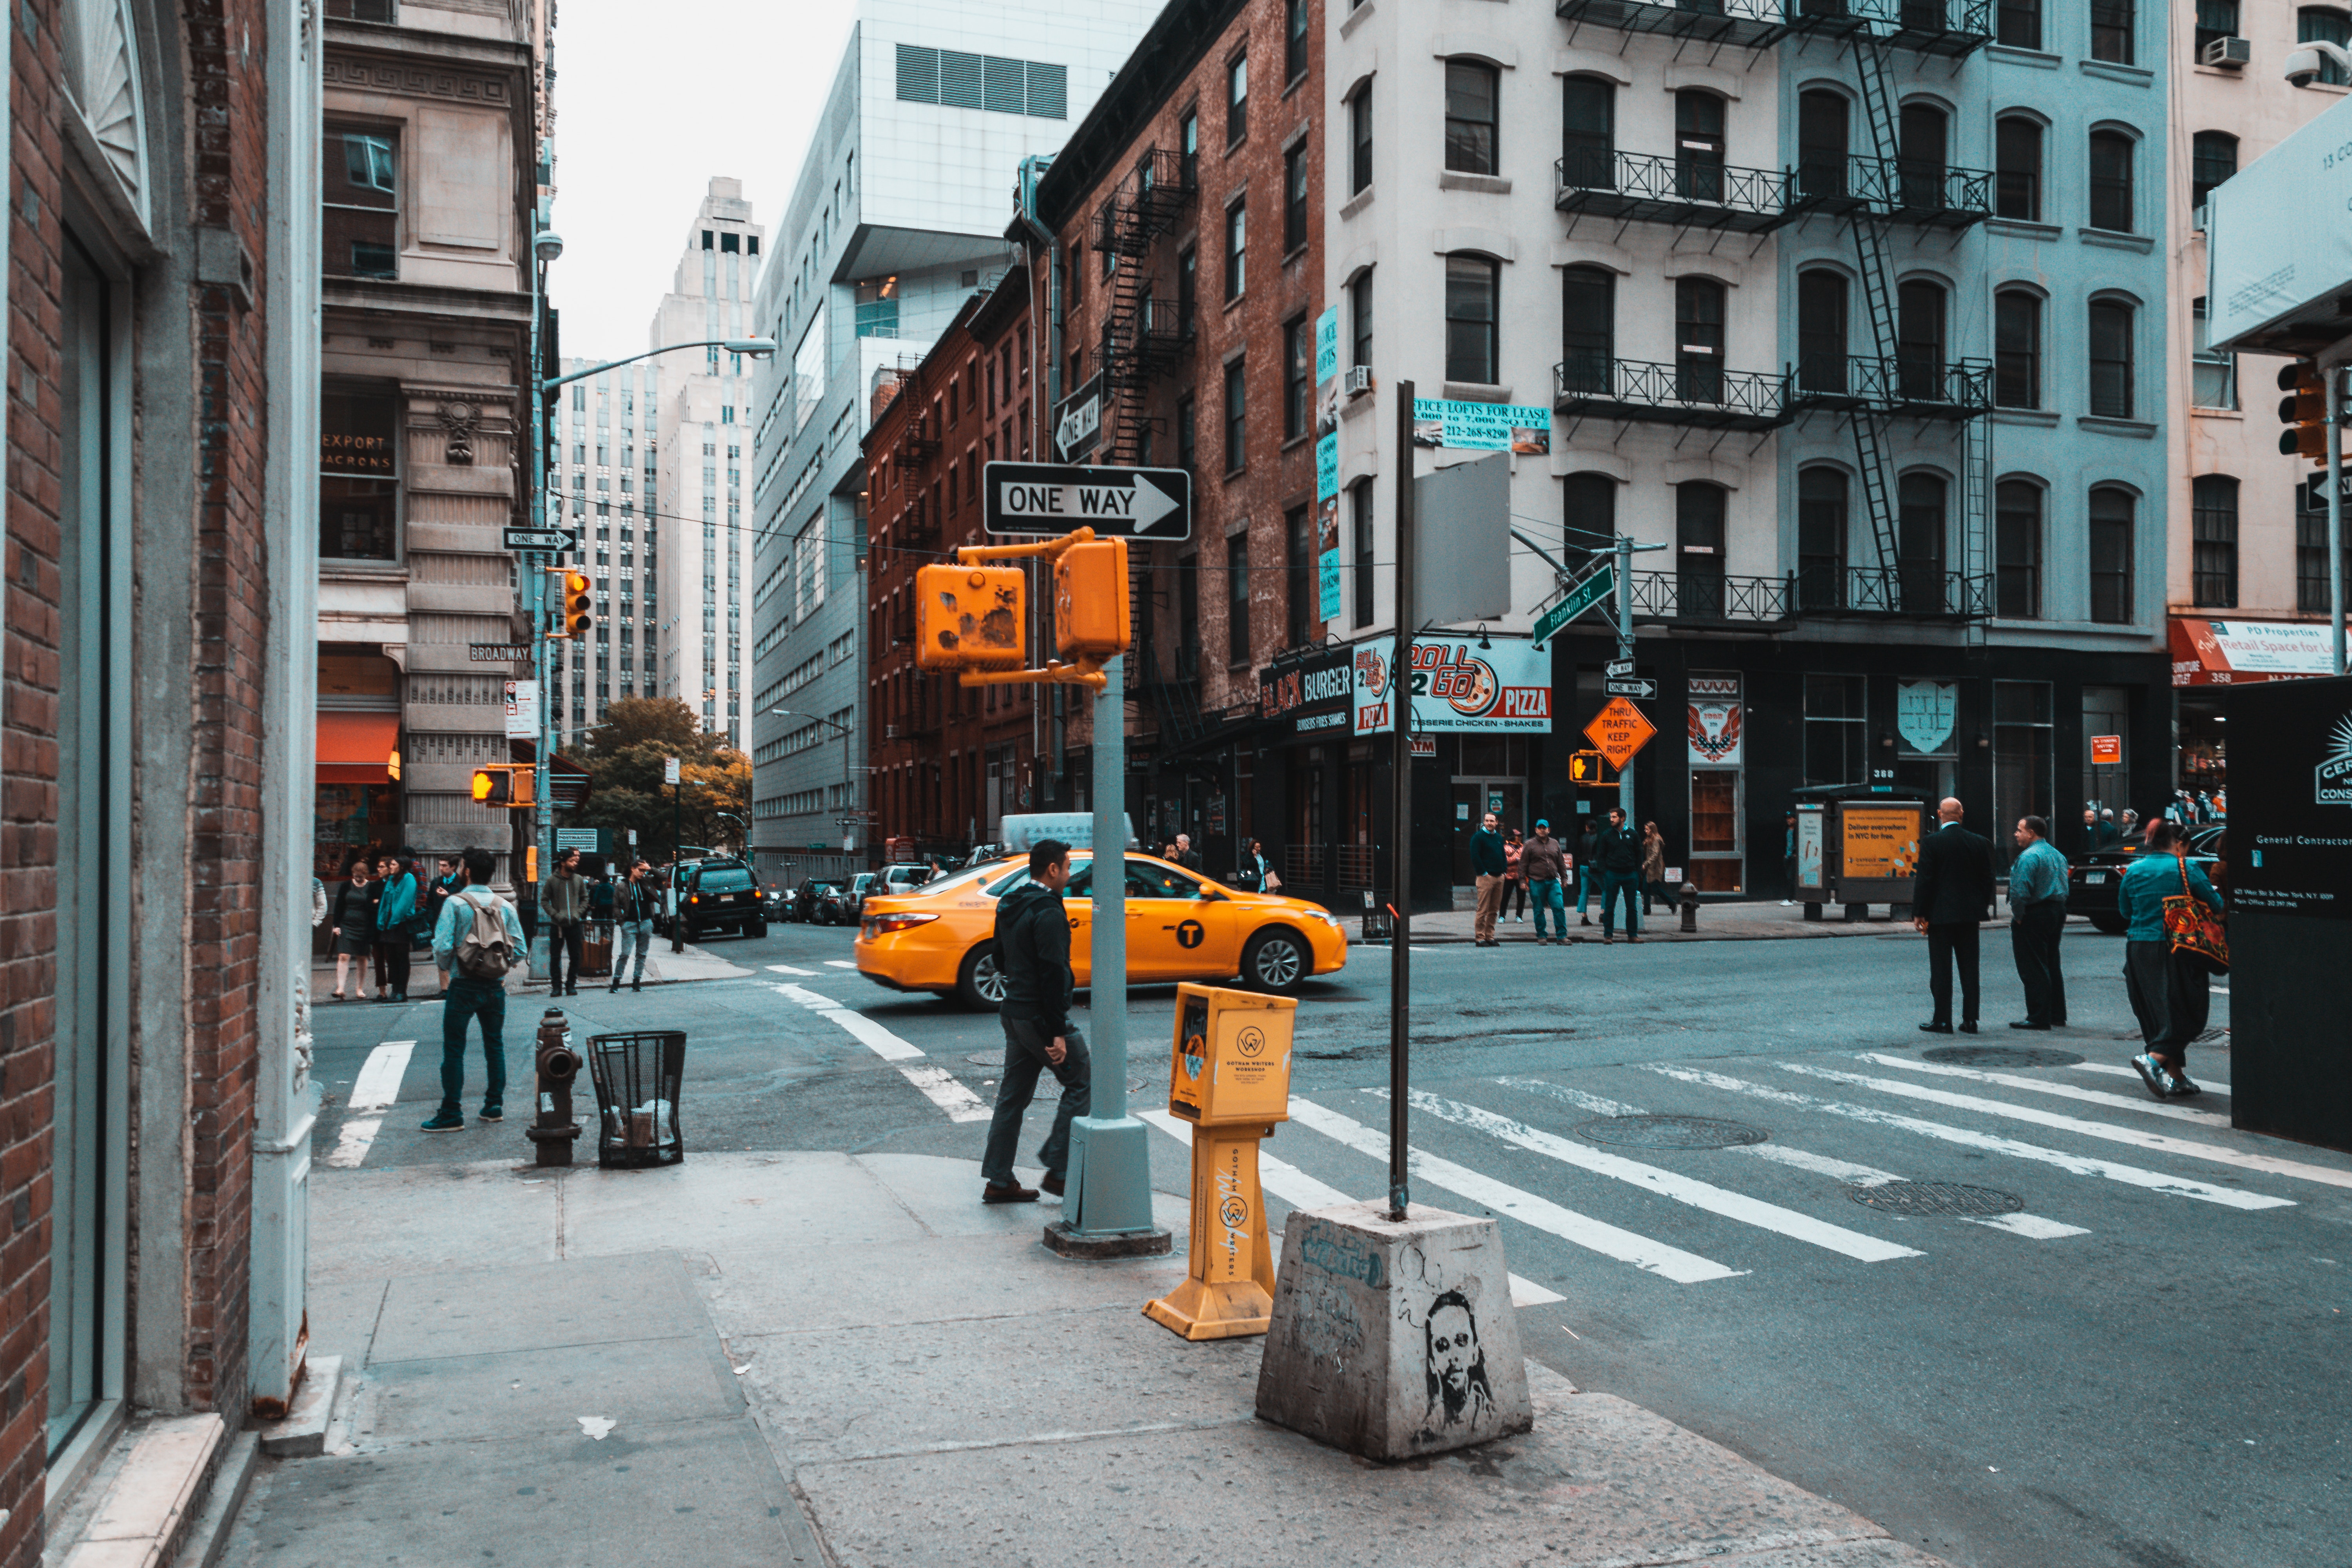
x,y
1457,1362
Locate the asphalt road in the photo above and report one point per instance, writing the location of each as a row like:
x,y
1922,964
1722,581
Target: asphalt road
x,y
2144,1363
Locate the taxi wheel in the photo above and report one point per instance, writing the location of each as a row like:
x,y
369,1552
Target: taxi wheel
x,y
1276,961
979,984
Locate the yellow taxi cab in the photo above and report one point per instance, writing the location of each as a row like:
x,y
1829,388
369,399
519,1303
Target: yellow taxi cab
x,y
941,936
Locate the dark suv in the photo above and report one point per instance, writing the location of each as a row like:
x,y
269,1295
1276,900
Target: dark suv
x,y
722,893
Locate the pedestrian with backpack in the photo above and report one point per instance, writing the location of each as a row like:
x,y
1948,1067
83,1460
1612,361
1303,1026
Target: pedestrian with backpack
x,y
479,940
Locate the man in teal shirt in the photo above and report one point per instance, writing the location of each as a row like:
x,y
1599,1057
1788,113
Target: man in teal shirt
x,y
2170,996
471,996
2037,914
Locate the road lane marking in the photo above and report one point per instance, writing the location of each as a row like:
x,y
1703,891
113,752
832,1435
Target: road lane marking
x,y
1301,1191
2161,1142
2064,1091
2079,1164
841,964
791,969
1664,1183
936,1084
944,1090
1580,1230
2215,1084
375,1088
2030,1226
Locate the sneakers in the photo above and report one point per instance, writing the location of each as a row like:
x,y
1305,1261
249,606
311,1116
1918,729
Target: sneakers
x,y
2157,1077
2182,1089
445,1121
493,1112
1007,1192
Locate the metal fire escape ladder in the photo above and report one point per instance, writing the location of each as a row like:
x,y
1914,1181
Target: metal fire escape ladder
x,y
1979,591
1870,428
1137,327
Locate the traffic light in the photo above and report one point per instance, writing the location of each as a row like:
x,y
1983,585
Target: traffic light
x,y
503,786
2303,410
970,617
1091,614
579,606
1588,768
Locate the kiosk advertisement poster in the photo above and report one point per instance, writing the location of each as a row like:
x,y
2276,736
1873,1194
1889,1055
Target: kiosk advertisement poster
x,y
1879,843
1810,845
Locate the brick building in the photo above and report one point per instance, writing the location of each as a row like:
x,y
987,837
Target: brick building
x,y
949,762
1185,272
161,539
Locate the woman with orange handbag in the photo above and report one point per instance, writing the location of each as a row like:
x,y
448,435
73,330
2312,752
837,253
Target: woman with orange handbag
x,y
2172,945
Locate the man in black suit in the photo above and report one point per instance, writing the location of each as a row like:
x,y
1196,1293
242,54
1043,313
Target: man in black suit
x,y
1949,895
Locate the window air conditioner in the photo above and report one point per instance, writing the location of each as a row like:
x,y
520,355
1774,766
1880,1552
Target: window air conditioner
x,y
2229,54
1359,380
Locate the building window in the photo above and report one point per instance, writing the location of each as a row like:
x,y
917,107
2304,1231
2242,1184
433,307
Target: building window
x,y
2213,376
1821,528
1297,376
2111,31
1698,340
2213,547
2110,359
1293,198
1588,120
1588,329
2017,168
1237,599
2111,511
2216,20
1588,517
1237,99
1836,729
2017,23
1188,148
1188,293
2311,583
1236,417
877,309
2111,181
2023,752
1359,141
1472,284
1920,339
1294,41
1821,330
1821,142
1236,248
1188,434
2322,23
1922,133
2017,349
1698,548
1698,145
359,476
1359,312
1919,541
2017,550
361,196
2212,158
1298,576
1360,506
1472,92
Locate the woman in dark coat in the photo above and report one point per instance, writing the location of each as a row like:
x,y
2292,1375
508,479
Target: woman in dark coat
x,y
352,912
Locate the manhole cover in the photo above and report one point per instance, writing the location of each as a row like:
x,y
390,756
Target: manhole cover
x,y
2001,1057
1936,1198
1670,1132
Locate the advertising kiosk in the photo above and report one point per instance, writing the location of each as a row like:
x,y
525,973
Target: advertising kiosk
x,y
1858,845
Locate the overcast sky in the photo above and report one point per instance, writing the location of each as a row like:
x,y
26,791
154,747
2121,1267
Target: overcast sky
x,y
645,113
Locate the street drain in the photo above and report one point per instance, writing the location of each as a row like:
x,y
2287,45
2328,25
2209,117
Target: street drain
x,y
1950,1198
2001,1057
1670,1132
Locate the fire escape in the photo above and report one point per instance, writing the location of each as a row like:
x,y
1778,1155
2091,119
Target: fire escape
x,y
1140,334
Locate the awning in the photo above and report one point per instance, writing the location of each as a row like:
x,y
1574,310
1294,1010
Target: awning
x,y
356,748
2236,653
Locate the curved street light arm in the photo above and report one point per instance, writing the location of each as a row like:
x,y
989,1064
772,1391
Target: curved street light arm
x,y
757,347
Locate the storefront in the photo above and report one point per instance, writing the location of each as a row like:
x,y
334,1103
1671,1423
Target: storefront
x,y
2208,658
1315,793
357,798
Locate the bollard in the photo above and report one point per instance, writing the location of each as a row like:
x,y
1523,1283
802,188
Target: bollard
x,y
1690,906
556,1065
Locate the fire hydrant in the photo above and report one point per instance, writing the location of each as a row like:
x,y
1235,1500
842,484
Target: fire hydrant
x,y
558,1063
1690,906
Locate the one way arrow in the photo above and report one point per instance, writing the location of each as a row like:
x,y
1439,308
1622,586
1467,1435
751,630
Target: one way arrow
x,y
1140,504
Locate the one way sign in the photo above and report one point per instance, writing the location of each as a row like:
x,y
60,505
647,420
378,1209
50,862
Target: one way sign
x,y
1128,504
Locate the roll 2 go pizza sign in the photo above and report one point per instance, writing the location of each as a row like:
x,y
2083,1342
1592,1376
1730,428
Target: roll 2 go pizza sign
x,y
1459,687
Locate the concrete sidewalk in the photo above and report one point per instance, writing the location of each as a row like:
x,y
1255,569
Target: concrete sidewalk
x,y
1732,920
831,1360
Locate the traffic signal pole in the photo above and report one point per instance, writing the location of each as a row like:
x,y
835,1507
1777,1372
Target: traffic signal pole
x,y
1401,768
1625,651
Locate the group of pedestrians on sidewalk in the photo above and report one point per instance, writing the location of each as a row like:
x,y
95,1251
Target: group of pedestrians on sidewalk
x,y
376,915
1623,867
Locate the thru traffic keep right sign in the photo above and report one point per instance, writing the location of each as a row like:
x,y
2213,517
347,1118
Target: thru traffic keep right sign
x,y
1619,730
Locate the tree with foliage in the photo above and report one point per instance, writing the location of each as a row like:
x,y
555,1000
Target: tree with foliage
x,y
626,752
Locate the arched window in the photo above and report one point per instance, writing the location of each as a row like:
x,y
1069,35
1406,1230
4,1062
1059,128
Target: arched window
x,y
2017,548
1588,512
2112,509
1698,548
2017,168
1922,134
1920,339
1472,94
1821,538
1822,143
1821,314
2213,523
2017,349
1698,340
1473,284
1588,120
2324,24
1588,329
1919,532
2111,182
2111,358
2212,158
1698,145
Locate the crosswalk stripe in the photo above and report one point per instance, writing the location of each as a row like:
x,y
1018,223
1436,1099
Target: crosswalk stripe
x,y
375,1090
2043,1085
936,1084
2079,1164
1582,1230
2215,1084
791,969
1666,1183
840,964
944,1090
2162,1142
2031,1226
1301,1191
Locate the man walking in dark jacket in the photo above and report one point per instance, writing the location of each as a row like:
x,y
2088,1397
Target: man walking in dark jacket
x,y
1618,853
1033,952
1949,894
562,905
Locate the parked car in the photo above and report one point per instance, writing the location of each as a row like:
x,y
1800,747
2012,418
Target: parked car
x,y
721,894
816,902
853,896
982,854
776,902
2091,881
903,876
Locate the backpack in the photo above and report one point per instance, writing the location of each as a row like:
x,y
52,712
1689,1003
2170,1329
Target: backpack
x,y
484,952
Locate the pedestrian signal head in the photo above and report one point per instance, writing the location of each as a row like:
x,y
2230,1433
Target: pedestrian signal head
x,y
579,606
1091,613
1588,768
502,786
2303,410
970,617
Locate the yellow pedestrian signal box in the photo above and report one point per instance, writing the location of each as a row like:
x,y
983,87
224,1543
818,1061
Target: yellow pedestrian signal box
x,y
1588,768
503,786
1230,1076
970,617
1091,612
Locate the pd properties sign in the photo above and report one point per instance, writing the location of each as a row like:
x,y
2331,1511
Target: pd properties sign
x,y
1459,687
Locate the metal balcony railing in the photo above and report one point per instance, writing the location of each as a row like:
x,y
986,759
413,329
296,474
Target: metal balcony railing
x,y
1703,596
1743,22
1918,588
1927,26
1650,188
1147,334
1903,189
1691,390
1920,385
1145,203
918,441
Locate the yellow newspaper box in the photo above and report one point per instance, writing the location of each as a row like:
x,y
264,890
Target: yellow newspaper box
x,y
1230,1076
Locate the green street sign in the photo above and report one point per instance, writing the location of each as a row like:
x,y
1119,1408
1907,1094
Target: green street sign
x,y
1596,587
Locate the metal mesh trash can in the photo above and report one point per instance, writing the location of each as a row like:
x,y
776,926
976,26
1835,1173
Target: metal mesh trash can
x,y
637,1077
